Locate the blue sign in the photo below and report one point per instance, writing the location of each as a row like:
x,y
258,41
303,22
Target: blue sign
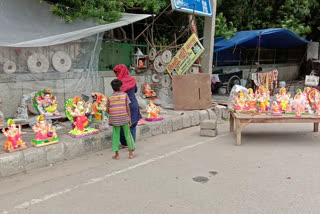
x,y
198,7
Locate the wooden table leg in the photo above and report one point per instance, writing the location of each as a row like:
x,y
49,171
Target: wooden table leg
x,y
315,127
231,122
239,129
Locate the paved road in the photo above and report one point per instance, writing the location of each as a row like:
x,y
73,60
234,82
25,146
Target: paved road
x,y
276,170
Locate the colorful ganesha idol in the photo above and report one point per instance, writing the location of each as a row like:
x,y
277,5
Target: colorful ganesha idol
x,y
314,98
77,111
299,103
240,102
99,106
251,99
148,92
264,100
276,111
46,134
283,98
45,102
13,133
153,112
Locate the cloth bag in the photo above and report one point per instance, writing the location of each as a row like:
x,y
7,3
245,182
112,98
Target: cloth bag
x,y
311,80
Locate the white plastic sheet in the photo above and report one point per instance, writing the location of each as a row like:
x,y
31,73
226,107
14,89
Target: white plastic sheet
x,y
27,23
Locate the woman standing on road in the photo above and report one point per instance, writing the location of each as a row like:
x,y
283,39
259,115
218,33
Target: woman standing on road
x,y
129,86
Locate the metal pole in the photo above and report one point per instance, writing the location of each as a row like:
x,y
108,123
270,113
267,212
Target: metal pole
x,y
259,49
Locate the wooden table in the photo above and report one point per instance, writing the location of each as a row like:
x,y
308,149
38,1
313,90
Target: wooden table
x,y
243,119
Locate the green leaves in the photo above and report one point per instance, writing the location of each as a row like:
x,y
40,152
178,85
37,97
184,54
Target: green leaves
x,y
300,16
223,28
101,11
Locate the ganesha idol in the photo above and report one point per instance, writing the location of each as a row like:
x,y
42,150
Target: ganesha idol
x,y
283,98
13,133
46,134
46,104
77,111
263,99
240,102
276,111
148,92
153,112
99,106
251,99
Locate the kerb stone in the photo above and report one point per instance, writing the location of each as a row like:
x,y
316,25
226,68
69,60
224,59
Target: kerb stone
x,y
11,164
208,133
55,153
186,120
166,126
195,118
208,124
177,123
106,139
92,143
212,114
34,158
143,131
74,147
156,128
203,115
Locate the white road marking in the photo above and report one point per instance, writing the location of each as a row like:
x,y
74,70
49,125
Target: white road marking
x,y
102,178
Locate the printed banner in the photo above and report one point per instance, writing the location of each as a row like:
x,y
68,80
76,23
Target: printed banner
x,y
185,57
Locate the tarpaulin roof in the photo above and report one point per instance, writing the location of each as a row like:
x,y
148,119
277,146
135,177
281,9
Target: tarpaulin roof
x,y
270,38
27,23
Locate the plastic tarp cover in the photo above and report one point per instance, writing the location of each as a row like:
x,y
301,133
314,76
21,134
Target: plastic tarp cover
x,y
28,23
45,52
270,38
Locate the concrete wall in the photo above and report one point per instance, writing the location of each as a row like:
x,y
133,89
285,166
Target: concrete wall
x,y
286,71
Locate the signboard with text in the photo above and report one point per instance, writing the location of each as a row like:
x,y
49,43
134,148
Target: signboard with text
x,y
186,56
198,7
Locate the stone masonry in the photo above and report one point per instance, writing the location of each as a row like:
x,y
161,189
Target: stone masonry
x,y
69,148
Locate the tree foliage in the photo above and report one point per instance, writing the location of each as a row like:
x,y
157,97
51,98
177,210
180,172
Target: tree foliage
x,y
300,16
101,11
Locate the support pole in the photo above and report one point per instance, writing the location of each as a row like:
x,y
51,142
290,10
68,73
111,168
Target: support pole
x,y
208,39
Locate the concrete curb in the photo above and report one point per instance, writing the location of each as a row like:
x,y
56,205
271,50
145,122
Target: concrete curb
x,y
69,148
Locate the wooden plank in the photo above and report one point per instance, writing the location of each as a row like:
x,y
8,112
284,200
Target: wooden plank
x,y
45,144
204,84
243,119
231,122
22,147
192,92
239,129
261,120
315,127
185,92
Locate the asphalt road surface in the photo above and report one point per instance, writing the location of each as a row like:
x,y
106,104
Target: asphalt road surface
x,y
275,170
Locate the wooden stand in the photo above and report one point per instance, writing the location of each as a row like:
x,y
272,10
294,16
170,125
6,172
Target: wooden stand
x,y
23,147
242,120
44,144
